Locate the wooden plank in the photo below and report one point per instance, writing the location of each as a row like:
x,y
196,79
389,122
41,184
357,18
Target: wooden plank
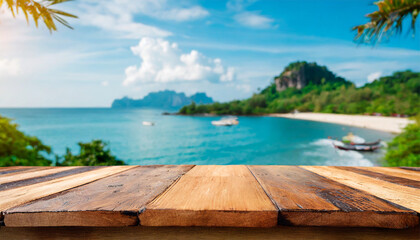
x,y
307,199
111,201
212,196
404,196
384,177
17,196
21,170
65,172
397,172
32,174
411,168
6,170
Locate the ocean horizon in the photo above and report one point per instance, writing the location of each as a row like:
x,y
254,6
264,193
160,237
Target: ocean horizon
x,y
257,140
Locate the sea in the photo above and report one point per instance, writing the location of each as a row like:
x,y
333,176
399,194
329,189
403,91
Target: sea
x,y
194,140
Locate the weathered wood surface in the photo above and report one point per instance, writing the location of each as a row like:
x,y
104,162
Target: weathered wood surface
x,y
237,196
411,168
307,199
404,196
111,201
21,170
212,196
6,170
35,172
396,172
46,176
17,196
389,178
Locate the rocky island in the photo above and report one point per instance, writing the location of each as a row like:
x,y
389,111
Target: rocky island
x,y
163,99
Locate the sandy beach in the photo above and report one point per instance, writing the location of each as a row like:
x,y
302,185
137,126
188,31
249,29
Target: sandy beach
x,y
386,124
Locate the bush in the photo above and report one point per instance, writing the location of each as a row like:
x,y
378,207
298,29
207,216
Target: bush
x,y
18,149
404,150
95,153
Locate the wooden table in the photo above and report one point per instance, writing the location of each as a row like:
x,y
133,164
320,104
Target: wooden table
x,y
210,196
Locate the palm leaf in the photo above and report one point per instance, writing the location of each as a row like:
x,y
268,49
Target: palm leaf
x,y
388,20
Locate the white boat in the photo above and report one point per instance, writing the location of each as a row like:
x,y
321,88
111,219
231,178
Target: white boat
x,y
145,123
229,121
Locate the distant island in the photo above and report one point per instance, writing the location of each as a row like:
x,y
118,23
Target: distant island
x,y
309,87
163,99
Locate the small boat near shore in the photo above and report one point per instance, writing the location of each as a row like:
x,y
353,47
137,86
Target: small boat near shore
x,y
378,142
146,123
355,143
361,148
229,121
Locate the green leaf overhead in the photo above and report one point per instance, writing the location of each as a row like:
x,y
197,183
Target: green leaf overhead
x,y
388,20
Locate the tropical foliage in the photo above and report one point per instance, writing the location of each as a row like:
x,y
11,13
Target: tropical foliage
x,y
18,149
388,19
404,150
39,11
396,94
95,153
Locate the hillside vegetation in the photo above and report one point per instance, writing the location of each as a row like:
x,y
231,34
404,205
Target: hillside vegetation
x,y
324,92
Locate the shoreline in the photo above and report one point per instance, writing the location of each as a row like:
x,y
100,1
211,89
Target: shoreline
x,y
380,123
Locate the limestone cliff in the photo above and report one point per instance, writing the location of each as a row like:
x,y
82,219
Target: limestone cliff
x,y
300,74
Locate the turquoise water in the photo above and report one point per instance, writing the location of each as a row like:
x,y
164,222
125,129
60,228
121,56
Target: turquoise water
x,y
193,140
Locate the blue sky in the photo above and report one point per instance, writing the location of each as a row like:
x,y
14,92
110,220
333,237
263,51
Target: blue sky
x,y
227,49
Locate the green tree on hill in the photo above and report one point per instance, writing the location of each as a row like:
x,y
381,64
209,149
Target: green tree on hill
x,y
395,94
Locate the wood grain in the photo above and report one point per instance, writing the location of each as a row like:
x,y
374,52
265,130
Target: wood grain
x,y
44,178
404,196
307,199
111,201
384,177
411,168
17,171
212,196
396,172
6,170
17,196
32,174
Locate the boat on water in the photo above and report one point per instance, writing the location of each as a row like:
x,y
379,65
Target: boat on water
x,y
361,148
355,143
146,123
378,142
228,121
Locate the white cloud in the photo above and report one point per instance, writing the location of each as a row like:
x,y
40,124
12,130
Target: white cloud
x,y
374,76
181,14
105,83
164,62
247,18
253,19
119,16
238,5
9,67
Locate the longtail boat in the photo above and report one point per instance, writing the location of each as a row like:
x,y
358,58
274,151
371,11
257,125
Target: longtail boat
x,y
358,147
